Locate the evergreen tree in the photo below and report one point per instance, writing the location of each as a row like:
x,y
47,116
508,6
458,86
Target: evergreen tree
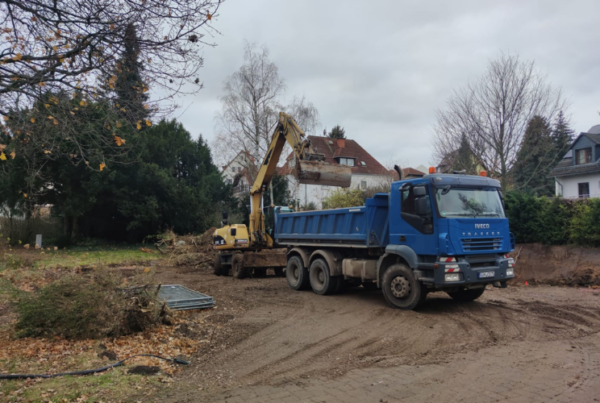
x,y
562,136
464,158
337,132
127,83
536,158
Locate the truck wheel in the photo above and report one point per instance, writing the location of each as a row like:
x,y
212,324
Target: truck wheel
x,y
320,280
217,266
237,266
467,295
278,272
401,289
296,274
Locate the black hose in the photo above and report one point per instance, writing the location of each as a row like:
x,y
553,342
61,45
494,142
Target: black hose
x,y
91,371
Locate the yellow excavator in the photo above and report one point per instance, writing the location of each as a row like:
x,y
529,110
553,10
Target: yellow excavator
x,y
245,250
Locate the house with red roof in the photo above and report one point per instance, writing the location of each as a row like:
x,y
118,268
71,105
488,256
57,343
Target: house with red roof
x,y
239,173
367,172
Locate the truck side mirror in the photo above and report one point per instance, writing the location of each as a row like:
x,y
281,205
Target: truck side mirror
x,y
419,191
421,206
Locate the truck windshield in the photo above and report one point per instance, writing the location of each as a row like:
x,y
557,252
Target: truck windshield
x,y
469,202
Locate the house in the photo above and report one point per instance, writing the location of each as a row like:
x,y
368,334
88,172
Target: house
x,y
578,173
367,172
239,173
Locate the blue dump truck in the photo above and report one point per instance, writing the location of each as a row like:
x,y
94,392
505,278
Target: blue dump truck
x,y
442,232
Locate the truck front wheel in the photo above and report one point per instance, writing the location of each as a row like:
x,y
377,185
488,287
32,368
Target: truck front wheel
x,y
296,274
401,289
217,266
467,295
320,279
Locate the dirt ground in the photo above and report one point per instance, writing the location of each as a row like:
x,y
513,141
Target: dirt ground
x,y
520,344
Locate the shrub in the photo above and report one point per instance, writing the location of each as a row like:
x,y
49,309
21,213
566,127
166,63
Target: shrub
x,y
88,306
344,197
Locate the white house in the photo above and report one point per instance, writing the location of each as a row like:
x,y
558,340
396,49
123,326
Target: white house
x,y
367,172
238,173
578,174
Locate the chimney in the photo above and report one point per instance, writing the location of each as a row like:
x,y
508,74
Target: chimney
x,y
341,143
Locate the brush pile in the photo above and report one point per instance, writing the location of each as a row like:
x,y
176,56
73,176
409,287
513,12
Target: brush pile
x,y
189,250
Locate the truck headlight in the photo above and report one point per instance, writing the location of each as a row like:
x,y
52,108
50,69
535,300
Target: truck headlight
x,y
510,272
452,277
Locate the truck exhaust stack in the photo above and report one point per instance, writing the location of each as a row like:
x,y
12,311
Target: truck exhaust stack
x,y
322,173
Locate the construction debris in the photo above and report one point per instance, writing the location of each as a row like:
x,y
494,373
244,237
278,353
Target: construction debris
x,y
181,298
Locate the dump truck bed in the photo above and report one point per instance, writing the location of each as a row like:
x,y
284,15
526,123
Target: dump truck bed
x,y
358,227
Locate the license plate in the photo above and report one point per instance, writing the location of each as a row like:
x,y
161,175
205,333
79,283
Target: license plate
x,y
486,274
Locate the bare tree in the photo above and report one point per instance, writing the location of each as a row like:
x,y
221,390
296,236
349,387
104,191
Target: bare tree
x,y
251,105
493,112
48,46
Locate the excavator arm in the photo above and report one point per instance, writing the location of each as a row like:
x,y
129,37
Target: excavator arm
x,y
309,168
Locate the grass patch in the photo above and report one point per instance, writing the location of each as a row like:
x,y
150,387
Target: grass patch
x,y
113,385
81,256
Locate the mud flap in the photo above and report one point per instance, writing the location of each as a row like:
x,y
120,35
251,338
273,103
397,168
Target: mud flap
x,y
322,173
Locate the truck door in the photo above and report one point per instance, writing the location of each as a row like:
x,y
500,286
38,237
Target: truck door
x,y
412,221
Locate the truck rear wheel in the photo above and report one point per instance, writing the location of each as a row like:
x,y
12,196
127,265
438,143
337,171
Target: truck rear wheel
x,y
237,266
401,289
467,295
296,274
320,279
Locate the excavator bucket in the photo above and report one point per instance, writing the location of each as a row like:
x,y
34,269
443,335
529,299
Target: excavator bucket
x,y
323,173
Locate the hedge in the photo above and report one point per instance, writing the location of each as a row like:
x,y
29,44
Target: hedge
x,y
553,221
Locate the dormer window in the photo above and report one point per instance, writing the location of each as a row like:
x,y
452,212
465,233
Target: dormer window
x,y
347,161
583,156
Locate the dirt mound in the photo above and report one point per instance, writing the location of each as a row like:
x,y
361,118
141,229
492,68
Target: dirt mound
x,y
190,250
557,265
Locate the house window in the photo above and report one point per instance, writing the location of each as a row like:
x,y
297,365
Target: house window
x,y
229,181
232,169
583,156
584,189
347,161
363,184
364,164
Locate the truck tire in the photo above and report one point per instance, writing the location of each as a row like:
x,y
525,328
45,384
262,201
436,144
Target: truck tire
x,y
296,274
466,295
321,280
237,266
401,289
217,266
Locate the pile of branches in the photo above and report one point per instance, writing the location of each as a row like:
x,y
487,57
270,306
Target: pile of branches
x,y
188,250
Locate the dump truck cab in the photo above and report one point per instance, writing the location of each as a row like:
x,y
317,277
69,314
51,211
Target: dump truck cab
x,y
452,229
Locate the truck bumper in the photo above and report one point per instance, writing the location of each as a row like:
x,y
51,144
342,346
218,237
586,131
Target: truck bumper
x,y
470,273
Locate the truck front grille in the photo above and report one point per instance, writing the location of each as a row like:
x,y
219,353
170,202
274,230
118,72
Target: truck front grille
x,y
481,244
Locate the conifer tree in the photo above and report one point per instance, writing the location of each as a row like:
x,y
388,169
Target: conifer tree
x,y
562,136
536,158
337,132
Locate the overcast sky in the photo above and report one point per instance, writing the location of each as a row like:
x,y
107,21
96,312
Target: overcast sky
x,y
381,68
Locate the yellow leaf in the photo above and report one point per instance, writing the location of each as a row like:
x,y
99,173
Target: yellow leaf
x,y
102,166
25,195
47,105
112,27
145,106
18,56
119,141
55,122
82,103
2,147
119,124
13,155
3,157
47,152
138,125
208,16
55,48
41,84
148,123
6,118
146,269
32,120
